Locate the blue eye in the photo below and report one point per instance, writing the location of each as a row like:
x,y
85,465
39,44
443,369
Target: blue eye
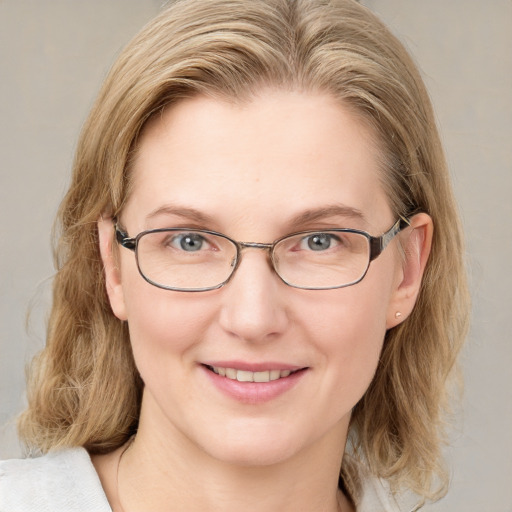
x,y
320,241
190,242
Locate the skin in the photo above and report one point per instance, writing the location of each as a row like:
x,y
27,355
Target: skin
x,y
252,170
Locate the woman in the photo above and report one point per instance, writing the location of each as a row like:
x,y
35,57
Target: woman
x,y
260,275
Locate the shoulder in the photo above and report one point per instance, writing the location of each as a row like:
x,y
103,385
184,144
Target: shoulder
x,y
371,493
63,480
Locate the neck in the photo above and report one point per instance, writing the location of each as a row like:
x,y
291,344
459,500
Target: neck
x,y
163,473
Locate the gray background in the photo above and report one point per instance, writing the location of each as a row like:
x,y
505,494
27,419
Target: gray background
x,y
53,56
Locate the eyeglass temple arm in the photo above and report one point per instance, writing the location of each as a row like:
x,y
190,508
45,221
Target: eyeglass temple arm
x,y
123,239
379,243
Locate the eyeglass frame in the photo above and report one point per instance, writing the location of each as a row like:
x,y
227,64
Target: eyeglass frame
x,y
377,245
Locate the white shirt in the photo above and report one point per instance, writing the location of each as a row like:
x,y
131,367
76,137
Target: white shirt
x,y
66,481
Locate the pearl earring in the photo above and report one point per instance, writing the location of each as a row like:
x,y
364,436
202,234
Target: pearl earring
x,y
398,314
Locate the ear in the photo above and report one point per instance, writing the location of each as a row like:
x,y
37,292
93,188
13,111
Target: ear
x,y
111,268
416,244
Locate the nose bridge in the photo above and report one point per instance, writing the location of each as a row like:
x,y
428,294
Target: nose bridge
x,y
243,246
253,306
255,245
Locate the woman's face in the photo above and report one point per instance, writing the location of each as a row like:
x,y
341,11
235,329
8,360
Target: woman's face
x,y
255,171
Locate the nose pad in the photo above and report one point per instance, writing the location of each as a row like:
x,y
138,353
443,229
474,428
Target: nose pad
x,y
253,301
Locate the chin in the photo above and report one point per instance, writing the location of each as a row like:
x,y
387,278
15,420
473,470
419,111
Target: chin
x,y
261,445
253,456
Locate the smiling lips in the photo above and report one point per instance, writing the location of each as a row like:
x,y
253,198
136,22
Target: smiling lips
x,y
253,383
248,376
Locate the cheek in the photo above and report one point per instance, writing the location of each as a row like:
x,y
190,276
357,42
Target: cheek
x,y
349,320
353,338
164,326
349,326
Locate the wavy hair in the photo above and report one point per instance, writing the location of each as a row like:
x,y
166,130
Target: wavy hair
x,y
84,388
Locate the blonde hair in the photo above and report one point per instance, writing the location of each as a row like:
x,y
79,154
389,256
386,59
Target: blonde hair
x,y
84,388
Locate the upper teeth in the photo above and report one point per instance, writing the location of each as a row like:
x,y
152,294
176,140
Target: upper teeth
x,y
246,376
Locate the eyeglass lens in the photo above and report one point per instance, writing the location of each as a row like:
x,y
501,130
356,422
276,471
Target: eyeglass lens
x,y
193,260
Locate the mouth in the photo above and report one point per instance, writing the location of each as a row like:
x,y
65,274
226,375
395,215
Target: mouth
x,y
253,383
248,376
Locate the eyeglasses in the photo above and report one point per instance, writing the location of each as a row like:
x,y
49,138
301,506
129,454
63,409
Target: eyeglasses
x,y
196,260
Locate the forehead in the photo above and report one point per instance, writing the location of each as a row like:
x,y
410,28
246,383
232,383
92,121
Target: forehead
x,y
277,155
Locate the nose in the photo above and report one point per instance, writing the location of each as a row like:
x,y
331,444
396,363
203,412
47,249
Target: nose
x,y
253,301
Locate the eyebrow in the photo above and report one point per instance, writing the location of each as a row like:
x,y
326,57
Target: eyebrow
x,y
335,210
182,211
307,216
